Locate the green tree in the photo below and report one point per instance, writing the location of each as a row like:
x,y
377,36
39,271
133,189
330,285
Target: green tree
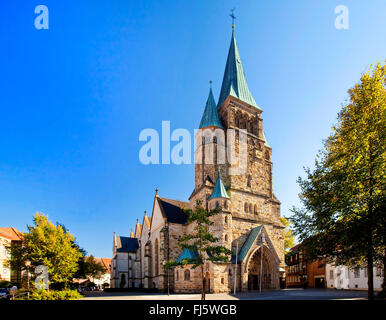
x,y
202,242
93,268
343,199
289,239
51,246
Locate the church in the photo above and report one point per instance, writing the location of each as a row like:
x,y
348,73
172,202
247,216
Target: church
x,y
248,224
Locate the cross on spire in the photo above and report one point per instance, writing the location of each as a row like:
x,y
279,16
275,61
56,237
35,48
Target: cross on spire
x,y
232,15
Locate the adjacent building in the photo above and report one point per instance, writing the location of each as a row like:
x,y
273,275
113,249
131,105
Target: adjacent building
x,y
249,223
9,237
303,273
342,277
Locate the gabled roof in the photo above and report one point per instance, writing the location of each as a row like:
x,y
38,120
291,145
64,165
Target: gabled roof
x,y
234,82
11,234
219,189
247,244
210,116
187,254
173,210
104,262
126,244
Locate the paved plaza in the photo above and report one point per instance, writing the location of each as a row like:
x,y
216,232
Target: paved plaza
x,y
286,294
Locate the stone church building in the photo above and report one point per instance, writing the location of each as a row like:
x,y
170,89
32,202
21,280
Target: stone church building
x,y
249,222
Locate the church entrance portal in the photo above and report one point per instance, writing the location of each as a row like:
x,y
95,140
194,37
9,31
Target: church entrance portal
x,y
267,267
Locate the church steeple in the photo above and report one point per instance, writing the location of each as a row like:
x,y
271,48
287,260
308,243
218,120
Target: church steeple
x,y
234,82
210,116
219,190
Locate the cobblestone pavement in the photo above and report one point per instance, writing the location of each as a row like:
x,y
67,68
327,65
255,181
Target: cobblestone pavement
x,y
286,294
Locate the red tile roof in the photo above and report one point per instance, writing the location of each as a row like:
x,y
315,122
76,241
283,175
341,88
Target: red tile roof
x,y
11,234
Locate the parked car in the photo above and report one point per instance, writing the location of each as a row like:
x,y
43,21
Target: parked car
x,y
3,293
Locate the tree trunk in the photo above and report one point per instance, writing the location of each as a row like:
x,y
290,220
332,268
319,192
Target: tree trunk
x,y
370,275
203,283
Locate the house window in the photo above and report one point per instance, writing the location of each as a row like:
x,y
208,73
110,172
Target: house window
x,y
366,271
379,272
357,273
187,275
331,274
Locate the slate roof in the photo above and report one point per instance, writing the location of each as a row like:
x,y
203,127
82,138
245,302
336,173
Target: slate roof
x,y
247,245
173,210
126,244
219,189
210,116
234,82
187,254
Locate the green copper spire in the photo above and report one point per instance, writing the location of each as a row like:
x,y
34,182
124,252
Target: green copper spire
x,y
219,189
234,82
210,116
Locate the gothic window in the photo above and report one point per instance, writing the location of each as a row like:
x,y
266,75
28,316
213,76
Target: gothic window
x,y
230,272
187,275
217,205
267,155
156,257
246,207
226,237
250,208
226,220
255,209
226,204
249,179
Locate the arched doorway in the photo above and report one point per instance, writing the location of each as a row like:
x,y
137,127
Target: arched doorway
x,y
263,265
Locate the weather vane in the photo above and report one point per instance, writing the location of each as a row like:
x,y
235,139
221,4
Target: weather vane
x,y
232,15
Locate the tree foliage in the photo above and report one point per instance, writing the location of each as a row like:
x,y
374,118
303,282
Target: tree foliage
x,y
51,246
343,199
93,268
289,239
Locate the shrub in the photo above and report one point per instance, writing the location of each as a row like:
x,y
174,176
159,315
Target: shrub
x,y
65,294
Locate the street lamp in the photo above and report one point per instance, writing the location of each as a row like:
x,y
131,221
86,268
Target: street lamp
x,y
27,265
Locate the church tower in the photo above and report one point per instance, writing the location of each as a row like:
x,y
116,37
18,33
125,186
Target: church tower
x,y
248,202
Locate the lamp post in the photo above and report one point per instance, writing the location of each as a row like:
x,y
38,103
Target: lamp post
x,y
27,265
261,260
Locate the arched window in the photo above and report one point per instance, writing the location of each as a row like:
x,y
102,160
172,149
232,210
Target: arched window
x,y
246,207
156,261
230,272
217,205
250,208
226,204
176,275
249,179
222,280
255,209
226,220
226,237
187,275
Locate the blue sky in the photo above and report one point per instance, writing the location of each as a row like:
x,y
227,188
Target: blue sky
x,y
74,98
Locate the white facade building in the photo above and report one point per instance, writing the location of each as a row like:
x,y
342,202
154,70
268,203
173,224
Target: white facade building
x,y
341,277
